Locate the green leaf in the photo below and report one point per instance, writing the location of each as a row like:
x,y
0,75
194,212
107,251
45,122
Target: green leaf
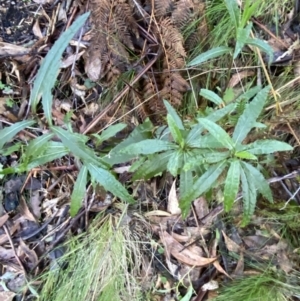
x,y
232,184
249,197
206,141
186,182
249,116
174,115
195,132
259,180
48,71
204,183
79,191
111,131
242,38
37,146
249,9
141,132
175,163
208,55
249,94
262,147
75,144
245,155
153,166
10,132
234,12
175,131
54,150
148,146
262,45
109,182
217,132
212,96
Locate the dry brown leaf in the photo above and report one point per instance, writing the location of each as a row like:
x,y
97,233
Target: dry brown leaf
x,y
12,230
174,248
19,52
239,269
24,210
7,296
37,30
216,263
230,244
6,254
35,201
27,255
237,77
201,207
173,204
70,59
3,219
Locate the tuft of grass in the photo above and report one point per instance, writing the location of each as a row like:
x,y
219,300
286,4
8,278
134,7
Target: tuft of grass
x,y
102,264
264,287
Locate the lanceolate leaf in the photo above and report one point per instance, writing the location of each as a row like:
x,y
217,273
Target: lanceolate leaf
x,y
232,184
79,191
48,71
195,132
54,150
36,146
174,115
259,180
208,55
242,38
204,183
175,163
217,132
249,116
262,45
245,155
77,147
148,146
261,147
186,181
249,197
109,182
153,166
110,132
175,131
212,96
234,12
8,133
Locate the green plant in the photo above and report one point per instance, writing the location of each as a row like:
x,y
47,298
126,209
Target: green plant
x,y
183,150
42,149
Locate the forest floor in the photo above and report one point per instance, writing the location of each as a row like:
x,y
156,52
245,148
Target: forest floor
x,y
127,58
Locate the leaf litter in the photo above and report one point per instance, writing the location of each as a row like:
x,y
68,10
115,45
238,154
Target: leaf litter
x,y
198,250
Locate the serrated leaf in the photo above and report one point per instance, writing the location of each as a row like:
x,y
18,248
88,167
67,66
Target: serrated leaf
x,y
48,71
263,147
175,131
141,132
249,197
36,146
232,184
79,191
186,181
241,39
212,96
147,147
204,183
208,55
234,12
245,155
174,115
259,180
217,132
195,132
75,144
153,166
11,131
110,132
248,118
54,150
109,182
262,45
249,94
175,163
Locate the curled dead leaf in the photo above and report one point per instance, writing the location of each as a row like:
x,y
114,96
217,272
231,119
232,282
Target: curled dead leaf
x,y
186,256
